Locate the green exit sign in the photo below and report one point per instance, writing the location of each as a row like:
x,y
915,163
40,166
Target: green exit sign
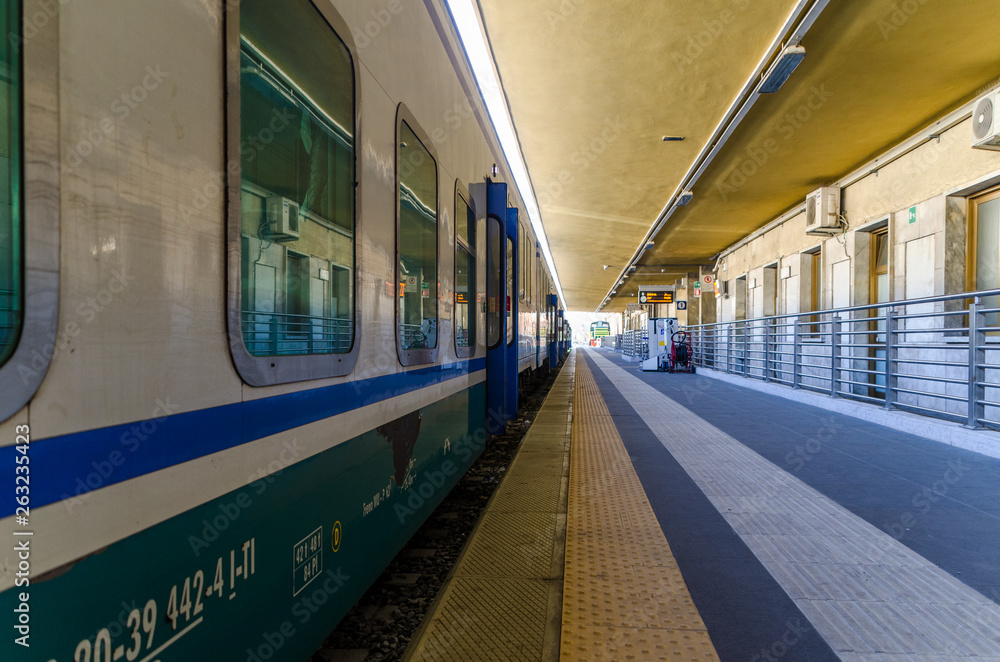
x,y
913,215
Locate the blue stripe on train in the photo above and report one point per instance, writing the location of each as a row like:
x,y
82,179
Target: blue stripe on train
x,y
72,464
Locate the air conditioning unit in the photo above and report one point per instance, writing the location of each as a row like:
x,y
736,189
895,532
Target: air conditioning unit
x,y
986,122
823,211
282,218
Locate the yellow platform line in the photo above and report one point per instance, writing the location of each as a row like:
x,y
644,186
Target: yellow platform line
x,y
623,597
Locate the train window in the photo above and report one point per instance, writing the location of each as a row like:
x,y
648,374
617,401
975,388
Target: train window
x,y
465,274
494,305
295,215
416,242
11,246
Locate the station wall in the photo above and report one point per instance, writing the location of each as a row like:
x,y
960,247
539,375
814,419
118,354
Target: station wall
x,y
921,200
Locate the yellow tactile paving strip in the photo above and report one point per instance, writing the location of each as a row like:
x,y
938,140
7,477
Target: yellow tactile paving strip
x,y
624,597
502,601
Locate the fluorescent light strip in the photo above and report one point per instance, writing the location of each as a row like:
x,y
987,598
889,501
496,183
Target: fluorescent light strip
x,y
466,19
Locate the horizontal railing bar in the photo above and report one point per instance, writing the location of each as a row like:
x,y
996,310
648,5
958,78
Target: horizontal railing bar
x,y
935,413
943,396
943,313
940,380
859,396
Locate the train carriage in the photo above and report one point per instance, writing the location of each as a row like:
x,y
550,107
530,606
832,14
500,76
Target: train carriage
x,y
255,316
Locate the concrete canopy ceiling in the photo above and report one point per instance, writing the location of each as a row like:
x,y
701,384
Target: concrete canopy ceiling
x,y
593,87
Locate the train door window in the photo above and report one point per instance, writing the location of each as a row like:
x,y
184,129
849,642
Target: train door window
x,y
11,247
985,249
494,294
525,265
541,277
465,274
522,265
295,208
510,290
416,246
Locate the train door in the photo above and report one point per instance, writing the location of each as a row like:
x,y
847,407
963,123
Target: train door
x,y
512,314
496,306
561,342
550,310
539,308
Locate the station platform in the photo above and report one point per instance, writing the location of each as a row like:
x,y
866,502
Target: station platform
x,y
708,521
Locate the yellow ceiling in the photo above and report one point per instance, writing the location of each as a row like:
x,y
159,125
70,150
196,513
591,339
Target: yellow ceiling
x,y
593,86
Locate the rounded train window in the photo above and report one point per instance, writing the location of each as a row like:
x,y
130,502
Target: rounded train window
x,y
295,217
416,244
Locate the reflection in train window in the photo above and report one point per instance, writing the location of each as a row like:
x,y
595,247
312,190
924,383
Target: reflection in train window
x,y
416,311
297,182
465,276
11,258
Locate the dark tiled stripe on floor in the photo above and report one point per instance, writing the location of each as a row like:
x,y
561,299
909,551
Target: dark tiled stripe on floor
x,y
746,611
940,501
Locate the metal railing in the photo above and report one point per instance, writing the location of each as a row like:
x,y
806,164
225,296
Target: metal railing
x,y
634,343
936,356
279,334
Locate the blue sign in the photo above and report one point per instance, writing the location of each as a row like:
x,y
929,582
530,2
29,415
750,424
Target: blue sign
x,y
682,305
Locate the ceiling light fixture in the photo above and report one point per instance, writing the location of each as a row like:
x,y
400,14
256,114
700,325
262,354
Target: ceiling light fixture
x,y
782,68
673,139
